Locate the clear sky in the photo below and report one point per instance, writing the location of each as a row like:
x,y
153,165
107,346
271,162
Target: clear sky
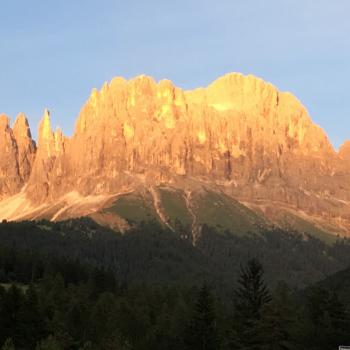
x,y
52,53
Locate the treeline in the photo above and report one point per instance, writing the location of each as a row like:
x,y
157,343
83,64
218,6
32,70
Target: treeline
x,y
151,254
93,311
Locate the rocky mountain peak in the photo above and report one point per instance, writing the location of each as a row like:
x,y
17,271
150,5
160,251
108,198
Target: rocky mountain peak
x,y
17,155
45,134
240,135
344,150
4,122
26,147
21,127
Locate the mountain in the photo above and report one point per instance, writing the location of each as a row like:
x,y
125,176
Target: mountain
x,y
238,155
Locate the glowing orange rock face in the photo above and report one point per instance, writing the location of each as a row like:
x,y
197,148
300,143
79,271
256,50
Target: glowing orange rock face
x,y
17,155
195,132
239,134
344,151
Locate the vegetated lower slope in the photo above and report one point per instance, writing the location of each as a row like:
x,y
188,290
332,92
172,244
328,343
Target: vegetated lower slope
x,y
289,221
338,282
77,285
193,208
55,303
226,214
150,253
134,208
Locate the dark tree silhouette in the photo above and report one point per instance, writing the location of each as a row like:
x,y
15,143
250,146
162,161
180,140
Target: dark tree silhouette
x,y
250,298
202,332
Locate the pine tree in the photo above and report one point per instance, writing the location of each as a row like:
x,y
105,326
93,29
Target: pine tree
x,y
251,297
202,332
273,331
32,324
277,320
103,320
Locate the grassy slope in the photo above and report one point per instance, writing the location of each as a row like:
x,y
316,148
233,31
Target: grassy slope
x,y
174,205
213,209
134,208
290,221
224,213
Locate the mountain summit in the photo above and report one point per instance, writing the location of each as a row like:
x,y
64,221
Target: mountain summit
x,y
239,138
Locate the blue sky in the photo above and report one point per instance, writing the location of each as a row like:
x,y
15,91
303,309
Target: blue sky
x,y
52,53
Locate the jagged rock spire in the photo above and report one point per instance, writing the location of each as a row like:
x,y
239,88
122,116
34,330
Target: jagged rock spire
x,y
45,134
17,154
25,146
21,128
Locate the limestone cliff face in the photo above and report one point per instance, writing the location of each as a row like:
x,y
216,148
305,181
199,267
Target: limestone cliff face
x,y
17,155
239,135
26,147
10,181
238,130
45,174
344,151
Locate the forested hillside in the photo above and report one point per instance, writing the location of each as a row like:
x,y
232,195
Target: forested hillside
x,y
76,285
150,253
68,305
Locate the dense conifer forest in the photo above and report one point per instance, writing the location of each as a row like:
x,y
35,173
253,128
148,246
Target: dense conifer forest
x,y
76,285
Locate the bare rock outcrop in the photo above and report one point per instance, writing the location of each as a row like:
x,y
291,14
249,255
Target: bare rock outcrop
x,y
25,146
17,155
